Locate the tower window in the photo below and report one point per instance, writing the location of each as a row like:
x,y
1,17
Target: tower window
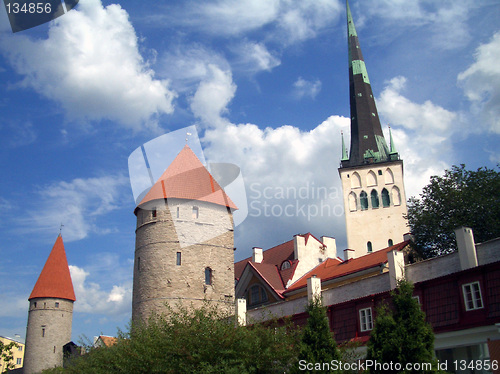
x,y
43,332
178,212
374,198
390,242
178,261
57,305
196,212
380,172
153,212
363,199
386,201
208,276
369,247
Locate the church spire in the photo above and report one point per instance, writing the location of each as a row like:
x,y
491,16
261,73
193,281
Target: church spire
x,y
367,140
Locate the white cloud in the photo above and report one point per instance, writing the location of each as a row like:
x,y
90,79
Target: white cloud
x,y
92,299
213,95
446,20
287,21
187,65
422,134
76,204
90,64
255,57
303,88
481,83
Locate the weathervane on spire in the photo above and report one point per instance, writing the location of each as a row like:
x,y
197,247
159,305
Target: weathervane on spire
x,y
60,229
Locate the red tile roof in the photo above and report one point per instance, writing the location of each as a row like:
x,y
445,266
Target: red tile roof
x,y
55,279
273,256
187,178
108,341
335,268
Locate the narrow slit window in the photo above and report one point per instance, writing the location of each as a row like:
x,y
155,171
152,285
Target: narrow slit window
x,y
369,247
208,276
196,212
178,260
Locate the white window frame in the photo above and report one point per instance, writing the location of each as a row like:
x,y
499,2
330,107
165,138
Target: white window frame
x,y
473,299
366,319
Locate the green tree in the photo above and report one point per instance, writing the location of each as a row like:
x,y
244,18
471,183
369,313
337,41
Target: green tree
x,y
203,340
317,344
401,334
6,355
459,198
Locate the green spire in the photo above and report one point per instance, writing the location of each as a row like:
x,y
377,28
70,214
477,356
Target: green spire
x,y
350,24
344,149
393,146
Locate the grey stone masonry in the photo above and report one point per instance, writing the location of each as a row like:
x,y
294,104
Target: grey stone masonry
x,y
49,328
184,254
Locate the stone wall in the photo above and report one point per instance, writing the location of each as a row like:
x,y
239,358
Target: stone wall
x,y
49,329
174,247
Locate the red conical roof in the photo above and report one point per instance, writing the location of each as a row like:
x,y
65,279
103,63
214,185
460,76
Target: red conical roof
x,y
55,279
187,178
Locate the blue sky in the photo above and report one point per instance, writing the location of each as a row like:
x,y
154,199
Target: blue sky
x,y
265,82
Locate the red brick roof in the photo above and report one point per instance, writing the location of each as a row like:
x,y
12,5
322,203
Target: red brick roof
x,y
187,178
55,279
335,268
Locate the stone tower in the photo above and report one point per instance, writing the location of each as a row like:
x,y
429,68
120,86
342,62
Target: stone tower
x,y
372,174
184,250
50,313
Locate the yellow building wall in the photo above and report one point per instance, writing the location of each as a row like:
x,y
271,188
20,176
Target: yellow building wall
x,y
18,354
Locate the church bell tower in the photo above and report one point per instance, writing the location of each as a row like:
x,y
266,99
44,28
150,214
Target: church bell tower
x,y
372,172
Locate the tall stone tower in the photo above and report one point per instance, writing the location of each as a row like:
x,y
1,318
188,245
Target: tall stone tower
x,y
372,174
184,250
50,313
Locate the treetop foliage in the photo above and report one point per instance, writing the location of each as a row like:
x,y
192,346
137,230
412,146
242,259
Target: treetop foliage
x,y
203,340
458,198
400,333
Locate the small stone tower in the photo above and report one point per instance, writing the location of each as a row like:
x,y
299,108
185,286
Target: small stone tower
x,y
50,314
372,174
184,250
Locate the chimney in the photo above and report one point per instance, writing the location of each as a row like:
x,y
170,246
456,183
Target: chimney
x,y
466,247
409,236
313,288
396,262
257,256
331,246
241,312
349,254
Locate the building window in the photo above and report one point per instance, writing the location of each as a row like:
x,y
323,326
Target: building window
x,y
390,243
178,261
43,332
380,172
19,361
369,247
374,198
34,304
472,296
365,319
257,295
386,200
57,304
363,200
352,202
20,348
208,276
153,213
178,212
285,265
196,212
